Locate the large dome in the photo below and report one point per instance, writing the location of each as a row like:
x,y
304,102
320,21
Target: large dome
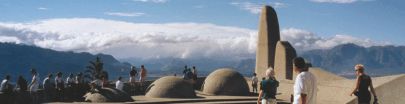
x,y
225,81
171,87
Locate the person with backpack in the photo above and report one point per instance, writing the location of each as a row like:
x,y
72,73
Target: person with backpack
x,y
268,91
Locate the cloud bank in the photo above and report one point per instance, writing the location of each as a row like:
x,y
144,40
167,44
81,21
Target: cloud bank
x,y
146,40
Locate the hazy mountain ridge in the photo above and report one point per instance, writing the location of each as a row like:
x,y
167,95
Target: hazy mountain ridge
x,y
378,60
17,59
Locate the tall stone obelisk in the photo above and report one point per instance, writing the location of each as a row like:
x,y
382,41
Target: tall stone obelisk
x,y
269,34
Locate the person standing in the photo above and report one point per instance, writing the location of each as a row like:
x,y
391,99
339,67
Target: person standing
x,y
70,82
255,80
143,76
194,74
60,86
268,88
22,92
305,86
363,83
48,88
21,84
119,84
33,86
132,76
7,90
79,88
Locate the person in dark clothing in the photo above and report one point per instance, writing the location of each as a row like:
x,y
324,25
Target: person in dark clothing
x,y
363,82
60,86
21,84
7,90
48,88
21,91
268,91
260,84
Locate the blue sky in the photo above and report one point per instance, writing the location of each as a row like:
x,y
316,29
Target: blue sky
x,y
378,21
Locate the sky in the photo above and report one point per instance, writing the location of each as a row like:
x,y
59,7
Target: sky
x,y
196,28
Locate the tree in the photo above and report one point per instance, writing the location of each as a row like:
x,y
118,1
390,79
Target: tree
x,y
95,70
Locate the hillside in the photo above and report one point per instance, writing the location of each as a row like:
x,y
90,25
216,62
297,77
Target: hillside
x,y
17,59
379,60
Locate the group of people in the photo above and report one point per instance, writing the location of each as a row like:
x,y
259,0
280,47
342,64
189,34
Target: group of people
x,y
190,74
305,85
57,89
60,89
133,74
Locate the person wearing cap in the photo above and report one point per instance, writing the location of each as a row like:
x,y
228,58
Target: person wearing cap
x,y
363,82
305,86
33,86
268,89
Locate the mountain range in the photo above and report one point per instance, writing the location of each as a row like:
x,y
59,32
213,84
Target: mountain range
x,y
18,59
378,60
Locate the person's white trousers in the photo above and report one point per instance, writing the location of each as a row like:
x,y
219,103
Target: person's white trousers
x,y
269,101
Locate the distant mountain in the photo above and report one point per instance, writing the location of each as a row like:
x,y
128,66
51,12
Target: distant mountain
x,y
16,59
378,60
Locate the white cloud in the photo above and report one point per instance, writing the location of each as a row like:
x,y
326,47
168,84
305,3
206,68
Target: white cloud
x,y
153,1
338,1
255,8
304,40
147,40
125,14
42,8
10,39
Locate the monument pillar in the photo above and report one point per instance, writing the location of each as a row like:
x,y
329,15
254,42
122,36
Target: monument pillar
x,y
283,66
269,34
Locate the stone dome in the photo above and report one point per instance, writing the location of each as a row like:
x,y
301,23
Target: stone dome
x,y
108,95
225,81
171,87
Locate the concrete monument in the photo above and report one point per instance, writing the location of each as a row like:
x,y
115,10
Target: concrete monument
x,y
269,34
283,66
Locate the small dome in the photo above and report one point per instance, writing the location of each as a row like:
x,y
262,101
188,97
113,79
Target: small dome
x,y
225,81
171,87
108,95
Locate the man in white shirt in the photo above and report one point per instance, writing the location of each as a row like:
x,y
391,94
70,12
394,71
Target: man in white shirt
x,y
119,84
305,86
33,86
